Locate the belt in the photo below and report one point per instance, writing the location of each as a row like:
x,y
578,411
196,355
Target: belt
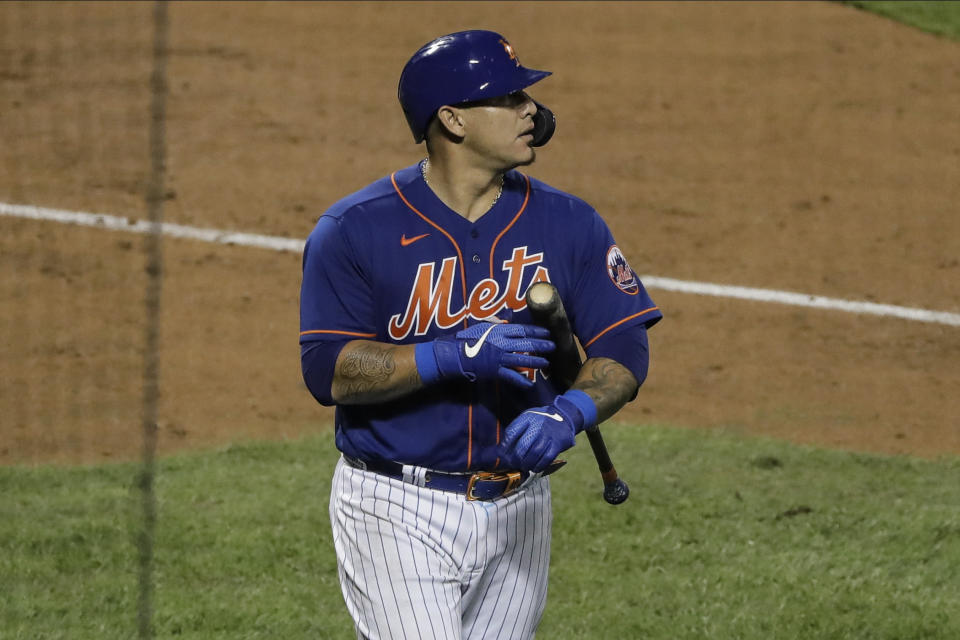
x,y
480,485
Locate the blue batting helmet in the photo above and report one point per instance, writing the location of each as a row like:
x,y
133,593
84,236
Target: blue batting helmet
x,y
460,67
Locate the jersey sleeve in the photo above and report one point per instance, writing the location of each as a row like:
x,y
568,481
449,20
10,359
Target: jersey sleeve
x,y
627,346
608,296
336,297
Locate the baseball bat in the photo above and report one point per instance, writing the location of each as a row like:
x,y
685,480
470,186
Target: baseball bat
x,y
547,310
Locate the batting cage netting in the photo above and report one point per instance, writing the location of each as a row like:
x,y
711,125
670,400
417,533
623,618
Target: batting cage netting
x,y
83,100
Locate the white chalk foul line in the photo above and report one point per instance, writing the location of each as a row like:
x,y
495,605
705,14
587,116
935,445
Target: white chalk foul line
x,y
276,243
115,223
800,300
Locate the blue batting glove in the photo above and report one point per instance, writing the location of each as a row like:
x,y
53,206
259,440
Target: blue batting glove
x,y
538,435
485,351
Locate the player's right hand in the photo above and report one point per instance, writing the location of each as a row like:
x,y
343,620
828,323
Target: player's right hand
x,y
486,351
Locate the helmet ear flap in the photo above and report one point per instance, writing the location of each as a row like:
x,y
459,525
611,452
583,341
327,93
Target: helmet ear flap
x,y
544,124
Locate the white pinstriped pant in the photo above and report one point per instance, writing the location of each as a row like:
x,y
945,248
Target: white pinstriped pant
x,y
421,563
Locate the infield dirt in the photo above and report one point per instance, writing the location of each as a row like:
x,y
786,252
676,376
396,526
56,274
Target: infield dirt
x,y
806,147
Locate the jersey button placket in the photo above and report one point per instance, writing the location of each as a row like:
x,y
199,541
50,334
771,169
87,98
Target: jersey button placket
x,y
474,234
476,267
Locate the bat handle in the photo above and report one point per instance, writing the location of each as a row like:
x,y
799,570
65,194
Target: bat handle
x,y
615,490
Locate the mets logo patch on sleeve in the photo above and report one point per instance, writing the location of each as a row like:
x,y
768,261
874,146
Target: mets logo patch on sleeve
x,y
620,272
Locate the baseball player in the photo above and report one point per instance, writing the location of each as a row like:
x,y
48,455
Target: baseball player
x,y
414,324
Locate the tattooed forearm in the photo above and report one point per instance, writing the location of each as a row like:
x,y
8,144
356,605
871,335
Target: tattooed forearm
x,y
370,372
608,383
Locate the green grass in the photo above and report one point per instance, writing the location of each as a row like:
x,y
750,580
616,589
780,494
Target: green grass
x,y
722,537
941,18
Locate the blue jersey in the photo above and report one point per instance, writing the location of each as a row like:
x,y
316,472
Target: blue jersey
x,y
393,263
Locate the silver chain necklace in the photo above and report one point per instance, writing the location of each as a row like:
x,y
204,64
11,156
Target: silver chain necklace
x,y
423,172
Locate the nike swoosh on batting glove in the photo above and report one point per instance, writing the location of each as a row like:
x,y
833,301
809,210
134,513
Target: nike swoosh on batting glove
x,y
537,436
485,351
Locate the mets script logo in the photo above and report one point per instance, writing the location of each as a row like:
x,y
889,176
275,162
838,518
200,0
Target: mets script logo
x,y
429,302
620,272
510,52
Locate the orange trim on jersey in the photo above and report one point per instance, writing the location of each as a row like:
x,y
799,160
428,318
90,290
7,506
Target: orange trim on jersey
x,y
497,387
470,436
343,333
617,324
463,282
463,274
493,248
526,199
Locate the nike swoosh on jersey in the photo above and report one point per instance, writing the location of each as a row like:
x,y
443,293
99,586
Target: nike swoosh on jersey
x,y
405,241
552,416
474,349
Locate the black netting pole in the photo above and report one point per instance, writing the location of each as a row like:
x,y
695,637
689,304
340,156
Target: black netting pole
x,y
151,370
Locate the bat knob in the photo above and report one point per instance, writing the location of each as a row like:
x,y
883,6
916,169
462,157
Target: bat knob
x,y
616,491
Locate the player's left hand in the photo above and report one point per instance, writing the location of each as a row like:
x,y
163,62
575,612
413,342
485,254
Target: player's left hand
x,y
539,435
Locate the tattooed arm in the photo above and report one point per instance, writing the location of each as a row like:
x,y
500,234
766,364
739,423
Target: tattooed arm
x,y
370,372
608,383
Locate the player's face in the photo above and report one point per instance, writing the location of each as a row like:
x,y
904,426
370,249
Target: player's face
x,y
500,129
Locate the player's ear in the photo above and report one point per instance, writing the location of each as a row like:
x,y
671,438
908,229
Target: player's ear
x,y
451,121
